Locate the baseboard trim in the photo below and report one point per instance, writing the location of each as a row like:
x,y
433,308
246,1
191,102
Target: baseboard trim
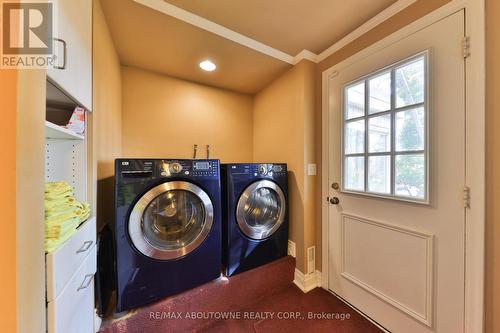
x,y
307,282
291,248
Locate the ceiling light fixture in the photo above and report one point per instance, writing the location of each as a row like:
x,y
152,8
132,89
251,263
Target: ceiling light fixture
x,y
207,65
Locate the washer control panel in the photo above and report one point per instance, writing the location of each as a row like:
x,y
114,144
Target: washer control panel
x,y
205,168
192,168
135,169
143,169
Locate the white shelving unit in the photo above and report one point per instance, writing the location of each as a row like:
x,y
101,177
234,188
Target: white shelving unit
x,y
65,150
71,267
53,131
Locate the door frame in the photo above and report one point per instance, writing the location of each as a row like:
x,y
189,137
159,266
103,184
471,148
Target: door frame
x,y
475,148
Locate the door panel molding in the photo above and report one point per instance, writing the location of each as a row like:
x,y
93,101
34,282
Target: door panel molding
x,y
423,315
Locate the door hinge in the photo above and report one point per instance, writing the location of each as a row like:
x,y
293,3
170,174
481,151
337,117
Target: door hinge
x,y
466,197
466,47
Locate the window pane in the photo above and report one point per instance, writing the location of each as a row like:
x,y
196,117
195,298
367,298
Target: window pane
x,y
410,176
355,97
379,131
380,93
355,137
410,88
379,174
410,130
354,173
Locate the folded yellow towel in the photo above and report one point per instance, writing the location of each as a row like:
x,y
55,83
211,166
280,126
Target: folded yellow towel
x,y
70,214
75,208
59,196
56,186
55,231
52,244
58,210
63,214
55,204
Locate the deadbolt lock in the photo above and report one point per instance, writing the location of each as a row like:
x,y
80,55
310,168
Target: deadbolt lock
x,y
335,186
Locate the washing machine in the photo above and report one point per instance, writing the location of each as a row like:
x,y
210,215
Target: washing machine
x,y
255,215
168,227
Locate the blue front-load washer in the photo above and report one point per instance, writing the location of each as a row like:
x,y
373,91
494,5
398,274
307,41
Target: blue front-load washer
x,y
168,227
255,215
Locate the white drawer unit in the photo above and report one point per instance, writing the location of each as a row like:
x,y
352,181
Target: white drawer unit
x,y
63,262
73,310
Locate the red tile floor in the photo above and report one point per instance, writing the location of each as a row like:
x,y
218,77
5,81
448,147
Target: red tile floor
x,y
261,300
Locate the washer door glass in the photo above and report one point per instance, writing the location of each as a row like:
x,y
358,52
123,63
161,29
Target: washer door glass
x,y
171,220
261,209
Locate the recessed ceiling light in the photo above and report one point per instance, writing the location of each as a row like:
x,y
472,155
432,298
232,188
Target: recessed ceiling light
x,y
207,65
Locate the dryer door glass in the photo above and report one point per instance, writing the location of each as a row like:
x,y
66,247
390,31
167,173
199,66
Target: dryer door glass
x,y
261,209
171,220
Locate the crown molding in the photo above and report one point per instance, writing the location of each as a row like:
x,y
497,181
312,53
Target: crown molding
x,y
387,13
305,54
207,25
202,23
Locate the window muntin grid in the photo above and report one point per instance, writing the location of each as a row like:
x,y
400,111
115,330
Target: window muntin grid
x,y
385,132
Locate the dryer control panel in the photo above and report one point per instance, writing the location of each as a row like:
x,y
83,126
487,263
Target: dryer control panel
x,y
260,169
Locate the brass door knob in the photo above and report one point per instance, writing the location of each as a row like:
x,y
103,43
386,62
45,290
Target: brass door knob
x,y
334,201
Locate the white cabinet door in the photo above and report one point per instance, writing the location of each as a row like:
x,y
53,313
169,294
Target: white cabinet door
x,y
73,49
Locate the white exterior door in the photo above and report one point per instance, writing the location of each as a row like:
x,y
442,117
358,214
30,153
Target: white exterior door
x,y
396,134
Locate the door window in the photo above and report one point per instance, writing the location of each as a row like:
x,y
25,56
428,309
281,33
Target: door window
x,y
385,130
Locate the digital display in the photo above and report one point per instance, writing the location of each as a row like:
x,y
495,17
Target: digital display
x,y
277,168
202,165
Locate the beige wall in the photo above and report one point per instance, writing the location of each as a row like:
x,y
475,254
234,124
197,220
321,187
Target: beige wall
x,y
164,117
283,132
107,96
106,118
492,167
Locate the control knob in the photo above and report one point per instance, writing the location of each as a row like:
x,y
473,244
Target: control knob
x,y
175,168
262,169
